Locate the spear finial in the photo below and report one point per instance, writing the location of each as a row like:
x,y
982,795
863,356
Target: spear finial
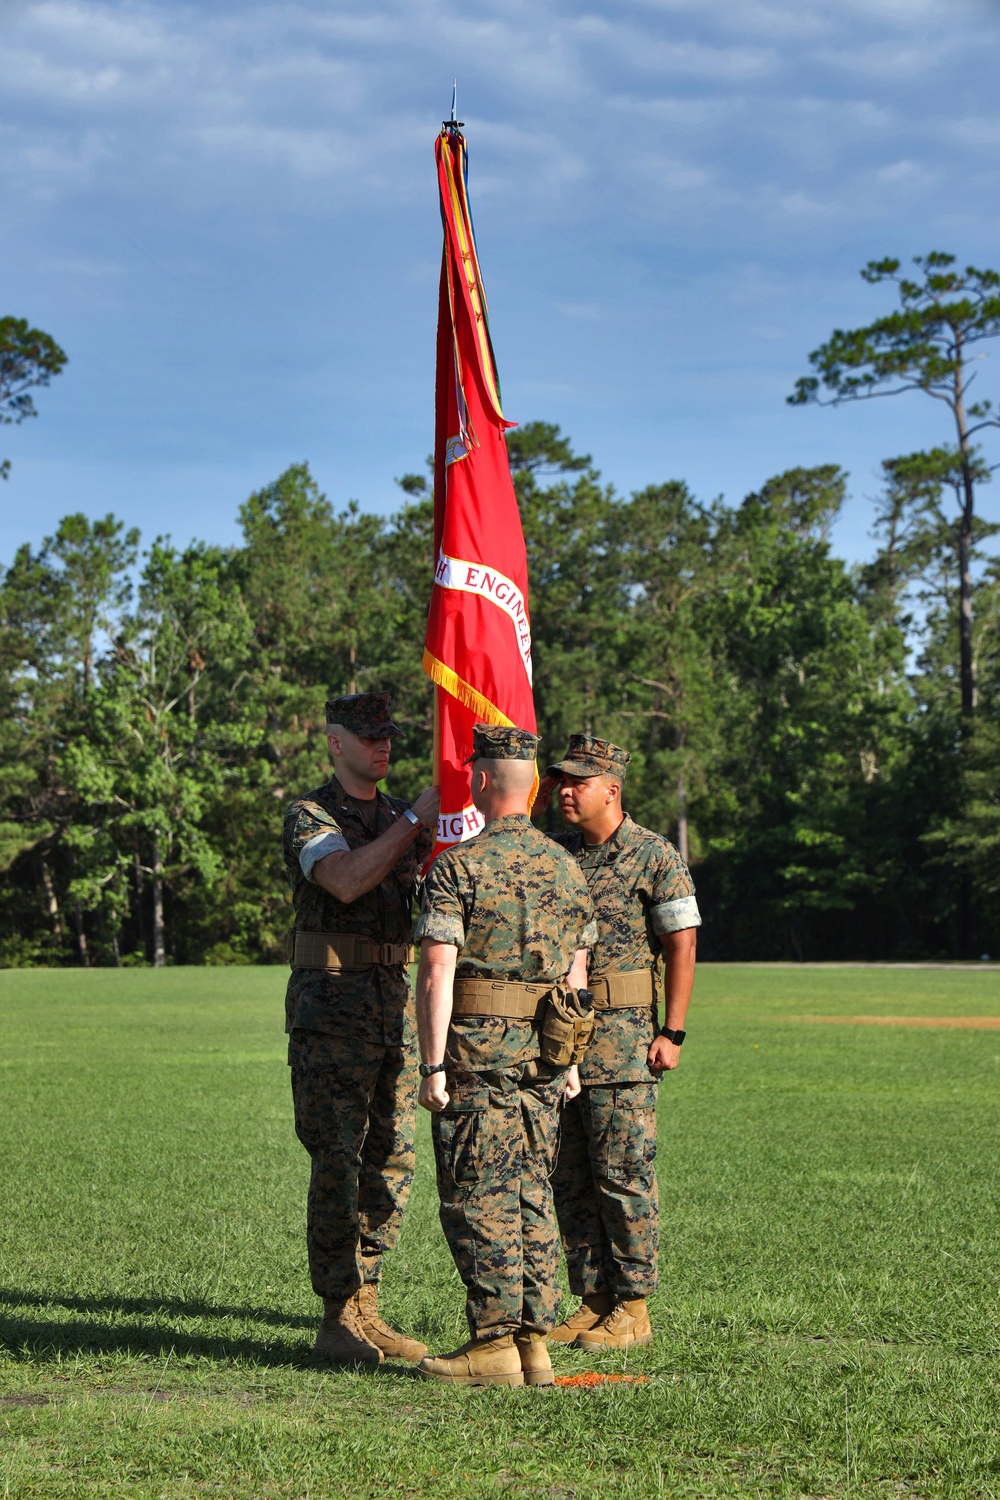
x,y
454,123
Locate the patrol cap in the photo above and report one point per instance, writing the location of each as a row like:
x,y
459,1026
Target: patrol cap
x,y
500,742
589,757
364,714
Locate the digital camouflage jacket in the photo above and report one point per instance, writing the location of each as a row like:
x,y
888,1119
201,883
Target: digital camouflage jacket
x,y
516,907
641,889
366,1003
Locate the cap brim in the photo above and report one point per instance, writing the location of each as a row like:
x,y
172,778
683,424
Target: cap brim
x,y
378,732
572,768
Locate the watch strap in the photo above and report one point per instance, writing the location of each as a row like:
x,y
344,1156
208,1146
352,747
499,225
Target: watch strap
x,y
676,1037
411,816
426,1070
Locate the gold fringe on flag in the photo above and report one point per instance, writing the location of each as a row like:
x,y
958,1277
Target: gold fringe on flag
x,y
448,678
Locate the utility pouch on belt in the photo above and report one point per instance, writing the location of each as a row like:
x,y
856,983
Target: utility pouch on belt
x,y
566,1026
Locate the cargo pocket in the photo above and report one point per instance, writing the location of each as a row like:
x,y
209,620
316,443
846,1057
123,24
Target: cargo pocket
x,y
632,1132
541,1118
461,1144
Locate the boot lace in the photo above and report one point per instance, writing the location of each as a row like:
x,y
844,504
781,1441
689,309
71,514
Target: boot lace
x,y
368,1310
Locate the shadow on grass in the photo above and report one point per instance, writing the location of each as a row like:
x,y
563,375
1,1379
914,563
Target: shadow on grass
x,y
31,1339
171,1306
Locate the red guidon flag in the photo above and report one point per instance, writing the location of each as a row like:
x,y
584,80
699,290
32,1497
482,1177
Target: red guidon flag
x,y
478,645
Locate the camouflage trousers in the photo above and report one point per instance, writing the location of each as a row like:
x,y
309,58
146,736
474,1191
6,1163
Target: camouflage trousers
x,y
354,1108
605,1190
495,1148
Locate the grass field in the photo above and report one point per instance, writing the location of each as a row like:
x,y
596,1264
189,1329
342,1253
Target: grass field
x,y
827,1324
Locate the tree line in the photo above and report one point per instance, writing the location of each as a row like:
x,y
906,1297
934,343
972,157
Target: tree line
x,y
821,741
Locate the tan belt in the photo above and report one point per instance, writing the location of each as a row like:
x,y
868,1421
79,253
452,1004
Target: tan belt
x,y
498,997
343,950
623,990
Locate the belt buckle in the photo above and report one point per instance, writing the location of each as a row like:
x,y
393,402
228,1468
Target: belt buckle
x,y
385,954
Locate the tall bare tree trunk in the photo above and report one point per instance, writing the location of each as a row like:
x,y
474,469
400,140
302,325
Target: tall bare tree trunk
x,y
52,902
682,819
139,892
159,955
966,668
81,935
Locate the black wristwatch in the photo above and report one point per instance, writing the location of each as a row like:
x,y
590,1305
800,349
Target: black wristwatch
x,y
427,1069
673,1036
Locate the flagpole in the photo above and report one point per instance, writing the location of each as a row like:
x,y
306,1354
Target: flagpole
x,y
436,741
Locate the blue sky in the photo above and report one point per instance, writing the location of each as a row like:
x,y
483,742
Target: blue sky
x,y
227,215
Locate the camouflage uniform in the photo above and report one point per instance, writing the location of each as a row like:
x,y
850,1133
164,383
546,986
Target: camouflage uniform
x,y
352,1035
516,908
605,1183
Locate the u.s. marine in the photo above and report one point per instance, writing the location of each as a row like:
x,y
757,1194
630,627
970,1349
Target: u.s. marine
x,y
605,1185
506,917
353,857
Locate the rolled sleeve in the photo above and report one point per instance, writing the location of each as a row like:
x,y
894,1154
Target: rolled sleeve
x,y
440,929
318,848
588,937
442,915
675,916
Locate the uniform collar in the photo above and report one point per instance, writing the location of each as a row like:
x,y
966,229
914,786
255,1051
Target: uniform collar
x,y
609,846
343,802
508,822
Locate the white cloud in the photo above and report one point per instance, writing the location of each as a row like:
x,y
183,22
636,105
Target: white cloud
x,y
689,58
676,176
586,312
890,59
901,171
795,20
978,130
308,153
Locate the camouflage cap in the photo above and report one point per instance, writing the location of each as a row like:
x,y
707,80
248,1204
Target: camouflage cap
x,y
497,742
364,714
589,757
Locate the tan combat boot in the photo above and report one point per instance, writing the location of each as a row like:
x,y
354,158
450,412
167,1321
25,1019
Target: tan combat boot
x,y
626,1326
377,1331
535,1363
479,1362
339,1337
592,1309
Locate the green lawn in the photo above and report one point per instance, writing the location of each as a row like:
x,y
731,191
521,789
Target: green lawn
x,y
827,1325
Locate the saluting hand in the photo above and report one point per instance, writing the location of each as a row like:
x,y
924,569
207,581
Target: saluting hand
x,y
543,796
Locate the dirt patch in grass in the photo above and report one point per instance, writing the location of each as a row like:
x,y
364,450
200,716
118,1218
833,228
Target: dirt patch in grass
x,y
957,1023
